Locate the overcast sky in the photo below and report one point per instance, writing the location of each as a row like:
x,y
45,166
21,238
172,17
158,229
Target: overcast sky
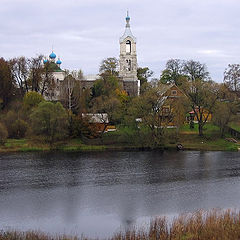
x,y
83,32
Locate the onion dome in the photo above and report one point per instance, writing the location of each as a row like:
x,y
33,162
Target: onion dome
x,y
45,61
59,61
52,55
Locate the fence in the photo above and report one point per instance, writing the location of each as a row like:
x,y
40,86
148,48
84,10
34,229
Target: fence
x,y
233,132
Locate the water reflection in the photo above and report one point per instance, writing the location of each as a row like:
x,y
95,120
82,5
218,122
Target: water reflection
x,y
78,192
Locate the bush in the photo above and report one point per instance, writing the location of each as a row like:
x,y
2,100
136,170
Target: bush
x,y
50,121
80,127
3,134
31,100
16,127
19,128
9,120
172,136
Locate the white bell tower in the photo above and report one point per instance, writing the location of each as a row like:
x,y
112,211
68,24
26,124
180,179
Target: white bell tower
x,y
128,61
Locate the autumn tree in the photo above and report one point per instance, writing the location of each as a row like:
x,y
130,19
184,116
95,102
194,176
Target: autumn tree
x,y
7,86
203,96
20,71
48,84
225,109
223,114
148,108
50,121
31,100
143,74
3,134
195,70
109,66
232,77
36,73
173,72
106,85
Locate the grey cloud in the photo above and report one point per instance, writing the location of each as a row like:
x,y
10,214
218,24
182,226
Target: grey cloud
x,y
85,32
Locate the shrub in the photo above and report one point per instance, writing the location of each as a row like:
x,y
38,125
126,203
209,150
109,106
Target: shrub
x,y
9,120
3,134
50,121
80,127
16,127
31,100
19,128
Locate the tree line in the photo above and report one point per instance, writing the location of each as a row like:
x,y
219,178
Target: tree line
x,y
26,83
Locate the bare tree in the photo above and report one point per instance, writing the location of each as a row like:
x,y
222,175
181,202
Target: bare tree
x,y
195,70
203,96
70,92
35,73
232,77
20,72
48,84
77,74
173,72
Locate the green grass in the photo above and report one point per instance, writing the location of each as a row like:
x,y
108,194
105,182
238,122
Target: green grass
x,y
82,148
208,128
235,126
211,141
117,140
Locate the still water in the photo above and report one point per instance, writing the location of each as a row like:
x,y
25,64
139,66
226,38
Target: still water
x,y
98,194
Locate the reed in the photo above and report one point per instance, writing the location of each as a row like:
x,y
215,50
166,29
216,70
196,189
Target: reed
x,y
201,225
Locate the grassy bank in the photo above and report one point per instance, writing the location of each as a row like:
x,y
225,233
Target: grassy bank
x,y
214,225
211,141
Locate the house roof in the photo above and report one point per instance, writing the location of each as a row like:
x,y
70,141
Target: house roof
x,y
163,88
91,77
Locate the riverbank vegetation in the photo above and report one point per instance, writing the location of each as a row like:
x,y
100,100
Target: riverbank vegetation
x,y
214,225
184,106
128,139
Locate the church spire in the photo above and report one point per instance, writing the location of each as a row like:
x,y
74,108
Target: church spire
x,y
127,20
127,32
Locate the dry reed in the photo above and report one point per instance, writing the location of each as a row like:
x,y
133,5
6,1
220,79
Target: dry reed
x,y
209,225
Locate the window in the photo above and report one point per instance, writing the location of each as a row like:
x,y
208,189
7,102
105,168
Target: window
x,y
166,110
128,61
174,92
128,46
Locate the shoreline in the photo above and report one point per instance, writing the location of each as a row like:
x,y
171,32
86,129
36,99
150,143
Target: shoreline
x,y
113,148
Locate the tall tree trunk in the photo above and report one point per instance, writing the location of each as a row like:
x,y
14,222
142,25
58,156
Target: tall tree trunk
x,y
200,129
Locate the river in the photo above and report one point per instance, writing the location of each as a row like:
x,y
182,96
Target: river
x,y
100,193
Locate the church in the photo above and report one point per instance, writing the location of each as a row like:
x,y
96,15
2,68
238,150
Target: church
x,y
127,66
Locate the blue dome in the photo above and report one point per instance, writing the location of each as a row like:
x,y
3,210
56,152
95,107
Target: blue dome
x,y
59,61
45,61
52,55
127,18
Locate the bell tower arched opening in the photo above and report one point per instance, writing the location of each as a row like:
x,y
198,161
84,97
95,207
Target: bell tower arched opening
x,y
128,46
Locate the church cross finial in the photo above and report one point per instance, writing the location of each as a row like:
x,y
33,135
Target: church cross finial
x,y
127,20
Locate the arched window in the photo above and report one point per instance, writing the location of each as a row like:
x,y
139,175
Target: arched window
x,y
129,67
128,46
